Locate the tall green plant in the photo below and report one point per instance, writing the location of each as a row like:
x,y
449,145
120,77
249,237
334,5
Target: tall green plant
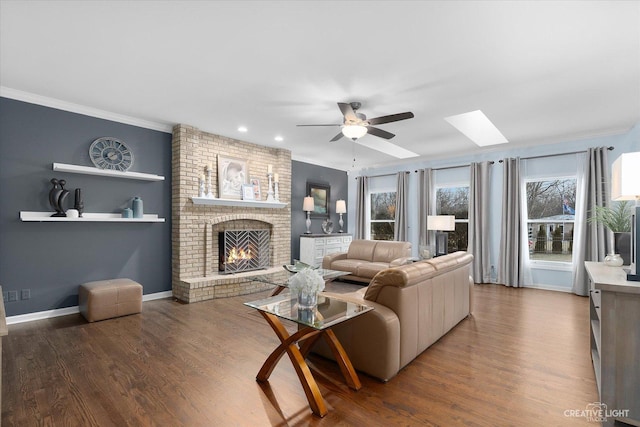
x,y
616,218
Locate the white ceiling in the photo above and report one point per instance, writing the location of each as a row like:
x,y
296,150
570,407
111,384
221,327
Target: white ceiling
x,y
543,72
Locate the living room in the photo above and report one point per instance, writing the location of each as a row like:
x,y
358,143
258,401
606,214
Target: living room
x,y
226,96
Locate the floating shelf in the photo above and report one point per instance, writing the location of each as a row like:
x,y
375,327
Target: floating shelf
x,y
88,170
86,217
234,202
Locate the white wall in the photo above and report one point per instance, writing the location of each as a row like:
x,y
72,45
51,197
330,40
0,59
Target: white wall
x,y
626,142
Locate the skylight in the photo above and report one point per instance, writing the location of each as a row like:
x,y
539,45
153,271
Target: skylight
x,y
478,128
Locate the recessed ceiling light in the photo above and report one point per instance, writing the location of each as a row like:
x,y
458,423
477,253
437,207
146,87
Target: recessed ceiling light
x,y
477,127
279,138
242,129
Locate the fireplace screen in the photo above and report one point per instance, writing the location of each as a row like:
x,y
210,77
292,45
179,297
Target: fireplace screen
x,y
243,250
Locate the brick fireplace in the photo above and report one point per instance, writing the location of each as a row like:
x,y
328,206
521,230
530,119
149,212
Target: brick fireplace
x,y
196,228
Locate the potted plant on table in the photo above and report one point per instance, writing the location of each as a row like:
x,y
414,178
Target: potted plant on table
x,y
307,283
617,219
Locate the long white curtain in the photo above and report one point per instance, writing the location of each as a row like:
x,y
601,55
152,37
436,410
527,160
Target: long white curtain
x,y
511,251
401,229
590,242
479,233
425,192
362,192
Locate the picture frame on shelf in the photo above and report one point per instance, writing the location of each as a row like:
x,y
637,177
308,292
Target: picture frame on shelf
x,y
321,198
232,175
255,183
247,192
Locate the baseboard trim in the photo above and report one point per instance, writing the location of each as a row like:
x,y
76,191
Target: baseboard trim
x,y
548,287
48,314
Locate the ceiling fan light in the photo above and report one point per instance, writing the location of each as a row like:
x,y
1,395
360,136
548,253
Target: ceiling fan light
x,y
354,131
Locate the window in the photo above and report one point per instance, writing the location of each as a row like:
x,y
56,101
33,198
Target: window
x,y
550,218
382,216
455,201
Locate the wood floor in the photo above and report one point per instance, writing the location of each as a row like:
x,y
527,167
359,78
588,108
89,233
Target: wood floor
x,y
522,359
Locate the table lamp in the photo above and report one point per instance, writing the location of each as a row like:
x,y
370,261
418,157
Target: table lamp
x,y
341,208
625,185
307,206
441,224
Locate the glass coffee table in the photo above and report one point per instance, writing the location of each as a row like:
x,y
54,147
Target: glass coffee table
x,y
280,279
312,325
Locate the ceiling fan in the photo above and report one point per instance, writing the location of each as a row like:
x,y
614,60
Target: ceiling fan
x,y
356,125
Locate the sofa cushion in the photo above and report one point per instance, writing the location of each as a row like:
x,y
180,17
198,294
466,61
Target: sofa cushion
x,y
350,265
370,269
361,249
388,251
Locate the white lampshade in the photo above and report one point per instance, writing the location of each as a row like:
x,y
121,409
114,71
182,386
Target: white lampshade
x,y
441,222
625,177
341,207
354,131
307,206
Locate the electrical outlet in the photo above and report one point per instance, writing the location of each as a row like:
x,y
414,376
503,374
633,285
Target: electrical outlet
x,y
5,296
13,296
25,294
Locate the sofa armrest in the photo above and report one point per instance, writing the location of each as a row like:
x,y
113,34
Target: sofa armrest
x,y
471,296
328,259
401,261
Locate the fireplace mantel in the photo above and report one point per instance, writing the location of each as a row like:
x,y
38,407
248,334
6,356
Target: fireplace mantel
x,y
234,202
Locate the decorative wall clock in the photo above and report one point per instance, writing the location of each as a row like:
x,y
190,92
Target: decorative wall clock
x,y
111,153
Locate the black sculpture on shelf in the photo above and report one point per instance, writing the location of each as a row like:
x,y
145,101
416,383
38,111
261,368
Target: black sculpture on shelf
x,y
57,196
79,204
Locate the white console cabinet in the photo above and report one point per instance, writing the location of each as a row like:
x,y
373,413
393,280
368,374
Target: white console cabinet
x,y
313,247
614,323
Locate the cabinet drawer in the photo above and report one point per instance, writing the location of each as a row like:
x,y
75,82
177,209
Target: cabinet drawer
x,y
333,241
347,239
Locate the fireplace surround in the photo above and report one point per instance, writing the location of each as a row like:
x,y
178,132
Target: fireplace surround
x,y
196,228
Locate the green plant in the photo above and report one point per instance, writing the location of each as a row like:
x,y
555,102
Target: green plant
x,y
616,218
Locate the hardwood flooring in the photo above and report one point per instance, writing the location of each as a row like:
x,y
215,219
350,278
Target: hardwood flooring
x,y
522,359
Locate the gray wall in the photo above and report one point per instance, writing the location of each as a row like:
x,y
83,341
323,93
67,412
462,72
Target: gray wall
x,y
52,259
300,174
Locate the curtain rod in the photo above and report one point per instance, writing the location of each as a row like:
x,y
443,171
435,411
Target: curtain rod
x,y
454,167
384,174
611,148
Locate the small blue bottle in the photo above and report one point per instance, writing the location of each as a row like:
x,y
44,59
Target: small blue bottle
x,y
137,207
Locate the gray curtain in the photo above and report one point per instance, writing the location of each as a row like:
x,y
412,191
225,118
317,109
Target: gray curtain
x,y
401,229
590,238
362,192
510,271
479,233
425,189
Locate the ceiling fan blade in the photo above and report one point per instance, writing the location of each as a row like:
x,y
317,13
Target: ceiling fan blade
x,y
386,147
379,132
391,118
320,125
347,111
337,137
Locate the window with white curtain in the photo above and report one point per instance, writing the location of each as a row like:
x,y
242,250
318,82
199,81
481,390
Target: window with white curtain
x,y
550,216
454,200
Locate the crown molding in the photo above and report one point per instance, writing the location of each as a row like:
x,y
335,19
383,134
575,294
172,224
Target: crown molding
x,y
58,104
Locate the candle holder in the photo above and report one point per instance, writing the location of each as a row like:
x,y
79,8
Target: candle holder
x,y
201,192
270,191
276,194
210,186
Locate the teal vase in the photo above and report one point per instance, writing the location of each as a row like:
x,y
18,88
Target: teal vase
x,y
137,207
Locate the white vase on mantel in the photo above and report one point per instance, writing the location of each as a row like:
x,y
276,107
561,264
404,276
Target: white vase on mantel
x,y
613,260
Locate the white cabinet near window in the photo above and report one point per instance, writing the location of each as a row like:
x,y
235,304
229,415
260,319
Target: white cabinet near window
x,y
313,247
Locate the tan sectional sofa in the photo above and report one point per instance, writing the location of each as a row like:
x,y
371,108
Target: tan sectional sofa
x,y
414,305
365,258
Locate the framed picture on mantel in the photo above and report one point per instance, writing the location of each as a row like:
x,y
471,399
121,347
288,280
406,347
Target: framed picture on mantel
x,y
321,199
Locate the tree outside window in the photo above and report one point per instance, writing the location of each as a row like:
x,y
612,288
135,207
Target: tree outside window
x,y
550,218
382,216
455,201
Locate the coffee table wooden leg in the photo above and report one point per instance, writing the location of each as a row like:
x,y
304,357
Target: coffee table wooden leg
x,y
278,289
288,345
349,373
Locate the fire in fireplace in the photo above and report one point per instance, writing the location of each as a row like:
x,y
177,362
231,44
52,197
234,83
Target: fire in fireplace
x,y
243,250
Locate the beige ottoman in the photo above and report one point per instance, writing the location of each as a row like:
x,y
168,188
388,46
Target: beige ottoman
x,y
105,299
